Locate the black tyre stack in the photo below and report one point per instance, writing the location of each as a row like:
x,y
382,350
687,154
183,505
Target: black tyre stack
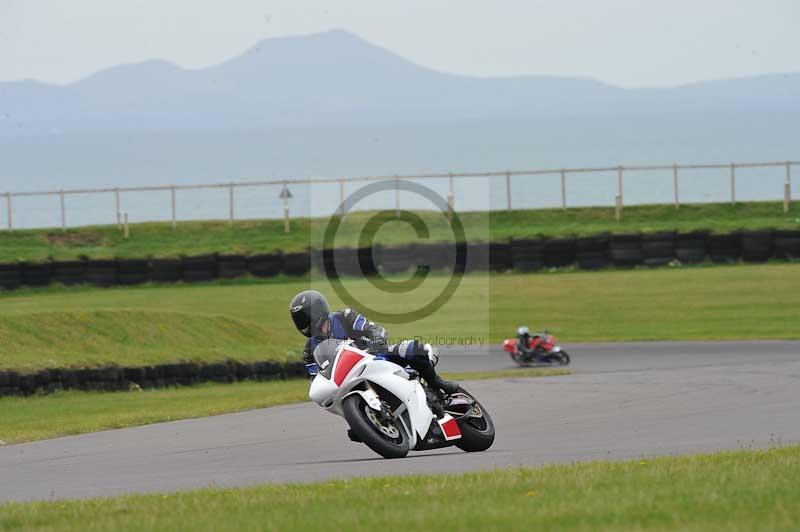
x,y
591,252
101,272
626,250
133,271
526,254
559,252
725,249
396,260
265,264
10,276
692,247
166,270
500,256
757,246
787,245
199,268
658,249
70,272
232,266
37,273
296,264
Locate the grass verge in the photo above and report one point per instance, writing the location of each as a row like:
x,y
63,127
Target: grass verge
x,y
726,491
64,413
160,240
248,320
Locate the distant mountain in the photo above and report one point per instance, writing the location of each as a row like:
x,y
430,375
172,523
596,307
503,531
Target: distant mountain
x,y
337,79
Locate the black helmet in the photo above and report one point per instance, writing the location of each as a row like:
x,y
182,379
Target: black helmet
x,y
309,311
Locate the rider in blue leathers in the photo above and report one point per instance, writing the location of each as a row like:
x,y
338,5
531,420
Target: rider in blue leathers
x,y
312,317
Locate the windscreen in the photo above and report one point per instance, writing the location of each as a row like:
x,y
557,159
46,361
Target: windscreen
x,y
324,355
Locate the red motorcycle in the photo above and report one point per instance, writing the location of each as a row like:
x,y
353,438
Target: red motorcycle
x,y
535,349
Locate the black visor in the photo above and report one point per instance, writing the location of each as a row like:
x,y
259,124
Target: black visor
x,y
302,321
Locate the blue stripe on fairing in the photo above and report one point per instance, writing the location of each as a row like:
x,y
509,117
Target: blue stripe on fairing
x,y
363,321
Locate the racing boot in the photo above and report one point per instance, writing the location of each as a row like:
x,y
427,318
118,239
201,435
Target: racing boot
x,y
428,372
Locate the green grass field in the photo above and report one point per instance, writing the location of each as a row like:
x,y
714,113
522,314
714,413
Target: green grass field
x,y
64,413
159,240
248,320
729,491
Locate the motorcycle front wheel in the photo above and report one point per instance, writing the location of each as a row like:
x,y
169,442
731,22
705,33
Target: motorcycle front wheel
x,y
387,438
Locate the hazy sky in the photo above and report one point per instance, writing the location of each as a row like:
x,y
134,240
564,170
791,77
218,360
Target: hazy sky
x,y
624,42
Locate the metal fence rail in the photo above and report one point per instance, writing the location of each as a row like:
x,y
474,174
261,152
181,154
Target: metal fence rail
x,y
450,176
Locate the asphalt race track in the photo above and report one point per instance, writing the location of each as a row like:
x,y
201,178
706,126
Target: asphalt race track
x,y
623,401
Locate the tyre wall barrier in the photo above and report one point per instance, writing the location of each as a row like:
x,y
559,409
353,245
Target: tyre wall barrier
x,y
37,274
296,264
114,378
626,250
591,252
757,246
691,247
166,270
69,272
658,249
10,276
526,255
437,256
477,257
265,264
500,256
787,245
559,252
232,266
396,259
133,271
200,268
725,249
101,272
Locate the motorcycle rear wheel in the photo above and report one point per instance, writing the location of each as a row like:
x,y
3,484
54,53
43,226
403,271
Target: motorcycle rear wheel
x,y
387,439
477,432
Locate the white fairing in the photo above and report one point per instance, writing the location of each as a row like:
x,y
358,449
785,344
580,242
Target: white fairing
x,y
387,375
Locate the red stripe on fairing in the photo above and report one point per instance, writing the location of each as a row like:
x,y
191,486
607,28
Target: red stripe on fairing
x,y
345,362
450,428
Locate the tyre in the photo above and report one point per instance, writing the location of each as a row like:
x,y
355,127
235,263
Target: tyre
x,y
565,360
387,439
477,430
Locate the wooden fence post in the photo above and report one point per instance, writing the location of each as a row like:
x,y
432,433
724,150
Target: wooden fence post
x,y
618,202
174,213
231,214
125,232
675,183
63,210
8,212
787,188
508,190
116,203
341,196
450,198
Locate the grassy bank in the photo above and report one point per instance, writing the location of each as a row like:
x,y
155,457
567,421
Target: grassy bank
x,y
64,413
745,490
248,320
159,240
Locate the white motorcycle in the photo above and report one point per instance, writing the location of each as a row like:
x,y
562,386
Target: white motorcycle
x,y
389,409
